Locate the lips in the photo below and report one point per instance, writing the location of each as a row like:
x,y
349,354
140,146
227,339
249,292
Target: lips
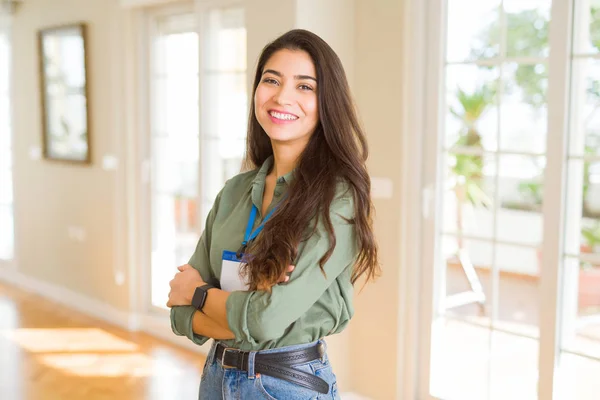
x,y
282,115
282,118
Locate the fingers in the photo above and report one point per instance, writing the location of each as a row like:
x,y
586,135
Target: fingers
x,y
184,267
284,277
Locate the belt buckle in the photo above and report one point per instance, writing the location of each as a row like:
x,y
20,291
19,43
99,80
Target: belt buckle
x,y
223,357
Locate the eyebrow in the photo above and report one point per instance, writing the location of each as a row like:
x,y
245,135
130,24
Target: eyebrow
x,y
297,77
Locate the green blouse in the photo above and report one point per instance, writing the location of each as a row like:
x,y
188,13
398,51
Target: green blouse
x,y
309,306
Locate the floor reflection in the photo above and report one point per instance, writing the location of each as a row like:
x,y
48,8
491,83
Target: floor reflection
x,y
48,352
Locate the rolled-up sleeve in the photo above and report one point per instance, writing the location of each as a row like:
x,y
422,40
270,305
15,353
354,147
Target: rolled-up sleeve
x,y
181,316
260,316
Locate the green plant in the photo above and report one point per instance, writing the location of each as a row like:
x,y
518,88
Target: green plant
x,y
468,168
591,237
591,234
526,34
532,192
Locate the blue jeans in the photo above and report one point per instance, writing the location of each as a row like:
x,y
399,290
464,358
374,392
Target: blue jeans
x,y
228,384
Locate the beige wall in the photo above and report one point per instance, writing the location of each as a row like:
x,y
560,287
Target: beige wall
x,y
50,197
374,331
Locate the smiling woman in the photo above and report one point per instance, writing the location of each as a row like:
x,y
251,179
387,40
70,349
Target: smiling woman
x,y
286,99
302,209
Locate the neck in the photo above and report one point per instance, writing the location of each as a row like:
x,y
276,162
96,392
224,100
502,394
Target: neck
x,y
285,158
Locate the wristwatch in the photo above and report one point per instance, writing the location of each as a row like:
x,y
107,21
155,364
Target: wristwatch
x,y
200,295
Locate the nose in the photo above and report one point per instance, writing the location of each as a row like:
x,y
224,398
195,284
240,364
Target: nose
x,y
283,96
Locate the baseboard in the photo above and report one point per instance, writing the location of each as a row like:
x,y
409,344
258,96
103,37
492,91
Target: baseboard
x,y
68,298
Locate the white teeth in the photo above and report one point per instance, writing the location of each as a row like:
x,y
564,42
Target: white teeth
x,y
283,116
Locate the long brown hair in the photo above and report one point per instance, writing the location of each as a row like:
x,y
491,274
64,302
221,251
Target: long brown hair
x,y
336,151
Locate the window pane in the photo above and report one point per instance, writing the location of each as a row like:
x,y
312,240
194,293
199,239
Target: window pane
x,y
6,185
472,119
468,200
518,288
177,48
7,239
527,27
226,40
520,186
180,106
225,114
580,380
224,101
468,263
581,308
175,166
583,208
5,141
460,333
460,360
175,149
524,110
586,27
580,301
4,65
585,108
514,367
223,160
478,39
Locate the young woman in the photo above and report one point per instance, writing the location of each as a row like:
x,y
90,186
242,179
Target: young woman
x,y
304,209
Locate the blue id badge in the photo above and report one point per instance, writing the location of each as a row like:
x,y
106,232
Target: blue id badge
x,y
231,261
230,272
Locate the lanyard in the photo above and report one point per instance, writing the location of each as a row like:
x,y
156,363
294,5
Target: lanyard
x,y
250,235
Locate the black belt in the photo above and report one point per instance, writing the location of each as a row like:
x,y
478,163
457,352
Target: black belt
x,y
277,365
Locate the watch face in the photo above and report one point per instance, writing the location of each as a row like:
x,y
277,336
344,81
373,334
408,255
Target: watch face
x,y
198,299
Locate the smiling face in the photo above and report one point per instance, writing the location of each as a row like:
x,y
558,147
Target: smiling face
x,y
285,100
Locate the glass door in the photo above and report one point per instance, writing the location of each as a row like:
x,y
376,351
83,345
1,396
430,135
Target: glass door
x,y
224,99
175,148
496,212
578,352
199,107
6,184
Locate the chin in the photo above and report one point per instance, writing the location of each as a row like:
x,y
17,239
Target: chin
x,y
280,135
282,138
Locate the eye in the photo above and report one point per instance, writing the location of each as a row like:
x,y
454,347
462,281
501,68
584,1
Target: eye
x,y
305,87
270,81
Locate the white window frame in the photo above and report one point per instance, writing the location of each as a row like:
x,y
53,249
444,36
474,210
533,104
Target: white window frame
x,y
145,139
203,9
424,74
147,317
6,29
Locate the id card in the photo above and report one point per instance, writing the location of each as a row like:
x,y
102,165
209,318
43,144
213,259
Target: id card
x,y
230,273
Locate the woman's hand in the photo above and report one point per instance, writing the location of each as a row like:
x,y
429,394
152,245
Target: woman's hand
x,y
188,279
184,285
282,279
